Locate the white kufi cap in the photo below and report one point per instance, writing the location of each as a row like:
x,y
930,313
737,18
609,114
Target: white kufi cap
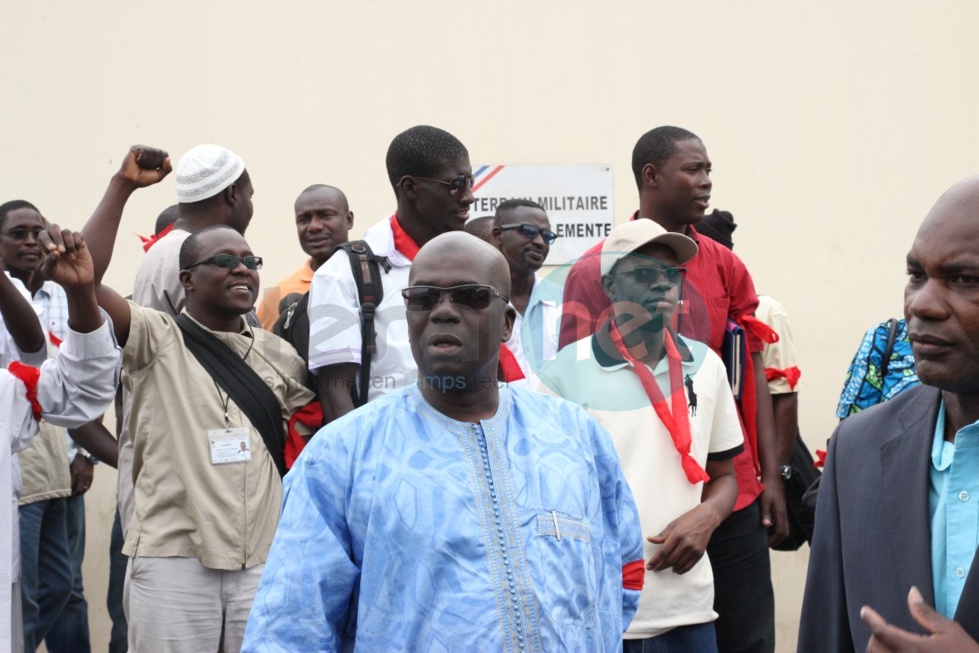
x,y
205,171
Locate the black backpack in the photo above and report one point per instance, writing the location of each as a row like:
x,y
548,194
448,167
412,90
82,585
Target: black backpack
x,y
293,322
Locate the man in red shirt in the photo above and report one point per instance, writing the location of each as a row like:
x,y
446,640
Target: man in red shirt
x,y
672,171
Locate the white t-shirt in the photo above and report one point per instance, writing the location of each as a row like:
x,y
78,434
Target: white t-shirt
x,y
613,394
334,316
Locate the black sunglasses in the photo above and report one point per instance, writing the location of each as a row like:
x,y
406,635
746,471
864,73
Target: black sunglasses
x,y
456,184
530,232
471,295
650,275
230,262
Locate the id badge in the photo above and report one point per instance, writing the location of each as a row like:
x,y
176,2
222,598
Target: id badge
x,y
229,445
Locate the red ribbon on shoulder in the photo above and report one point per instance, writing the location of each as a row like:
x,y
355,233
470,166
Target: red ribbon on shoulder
x,y
402,241
149,241
29,376
677,423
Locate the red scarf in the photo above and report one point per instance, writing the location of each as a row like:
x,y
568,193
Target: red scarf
x,y
677,423
149,241
509,365
402,241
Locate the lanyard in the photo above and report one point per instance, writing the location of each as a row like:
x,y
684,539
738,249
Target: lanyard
x,y
677,423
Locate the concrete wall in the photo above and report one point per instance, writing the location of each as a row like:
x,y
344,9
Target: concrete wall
x,y
833,127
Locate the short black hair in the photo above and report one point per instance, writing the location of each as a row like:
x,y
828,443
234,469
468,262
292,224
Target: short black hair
x,y
481,227
422,151
166,218
656,146
14,205
506,206
190,250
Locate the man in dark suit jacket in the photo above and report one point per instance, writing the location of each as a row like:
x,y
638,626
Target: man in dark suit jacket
x,y
892,504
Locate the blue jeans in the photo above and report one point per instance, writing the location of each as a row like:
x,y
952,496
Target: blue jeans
x,y
698,638
45,572
69,632
119,640
743,595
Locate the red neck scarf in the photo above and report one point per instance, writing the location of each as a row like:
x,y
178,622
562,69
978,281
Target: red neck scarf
x,y
402,241
509,365
149,241
677,423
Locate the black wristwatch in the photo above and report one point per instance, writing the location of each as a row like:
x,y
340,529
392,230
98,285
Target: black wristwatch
x,y
786,472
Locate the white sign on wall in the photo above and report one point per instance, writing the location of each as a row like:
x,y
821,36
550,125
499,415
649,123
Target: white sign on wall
x,y
577,198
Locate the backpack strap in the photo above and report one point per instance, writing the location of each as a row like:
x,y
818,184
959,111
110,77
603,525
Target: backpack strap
x,y
365,266
245,387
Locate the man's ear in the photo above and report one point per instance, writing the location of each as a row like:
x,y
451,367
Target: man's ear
x,y
509,316
495,237
186,281
406,186
608,281
350,219
649,175
231,194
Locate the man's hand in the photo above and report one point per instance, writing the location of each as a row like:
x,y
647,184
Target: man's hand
x,y
82,473
946,635
67,261
683,541
773,511
144,166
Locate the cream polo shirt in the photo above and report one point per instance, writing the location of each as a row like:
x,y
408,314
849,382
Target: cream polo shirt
x,y
223,515
613,394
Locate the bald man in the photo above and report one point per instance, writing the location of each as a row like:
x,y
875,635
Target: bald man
x,y
455,513
323,219
897,502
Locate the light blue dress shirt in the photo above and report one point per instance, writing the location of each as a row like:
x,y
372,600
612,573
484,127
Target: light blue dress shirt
x,y
953,503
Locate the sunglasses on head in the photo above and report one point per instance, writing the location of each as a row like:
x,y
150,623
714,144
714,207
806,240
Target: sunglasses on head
x,y
470,295
650,275
530,232
230,262
456,184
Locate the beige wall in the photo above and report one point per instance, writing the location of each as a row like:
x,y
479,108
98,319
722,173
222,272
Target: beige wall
x,y
833,127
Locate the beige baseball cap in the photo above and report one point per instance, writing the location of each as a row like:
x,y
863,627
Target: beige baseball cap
x,y
627,238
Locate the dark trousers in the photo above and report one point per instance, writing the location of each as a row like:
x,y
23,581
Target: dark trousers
x,y
119,640
743,595
69,632
698,638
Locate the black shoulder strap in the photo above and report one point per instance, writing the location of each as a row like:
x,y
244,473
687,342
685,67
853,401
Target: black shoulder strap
x,y
365,266
249,392
889,348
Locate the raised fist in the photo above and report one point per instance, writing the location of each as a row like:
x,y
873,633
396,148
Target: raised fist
x,y
144,166
67,262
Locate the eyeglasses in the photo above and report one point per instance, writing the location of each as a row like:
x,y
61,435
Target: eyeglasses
x,y
650,275
531,232
21,233
471,295
230,262
456,184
